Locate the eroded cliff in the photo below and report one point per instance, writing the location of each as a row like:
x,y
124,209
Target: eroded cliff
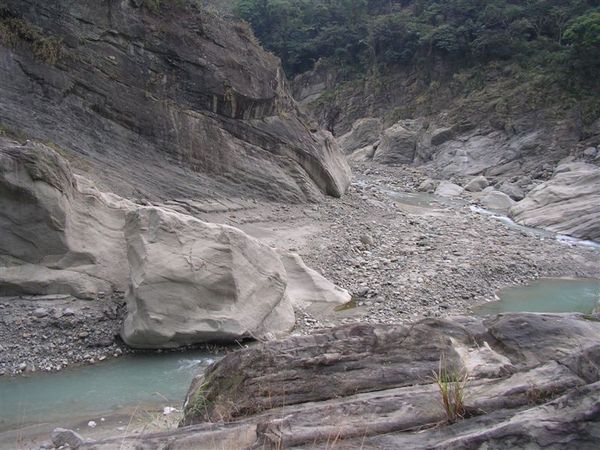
x,y
159,100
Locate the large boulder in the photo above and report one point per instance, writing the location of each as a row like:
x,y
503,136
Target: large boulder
x,y
441,135
309,290
160,100
569,203
448,189
193,281
363,155
513,190
398,145
477,184
56,221
496,201
364,132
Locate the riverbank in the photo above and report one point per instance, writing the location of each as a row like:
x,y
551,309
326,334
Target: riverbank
x,y
403,257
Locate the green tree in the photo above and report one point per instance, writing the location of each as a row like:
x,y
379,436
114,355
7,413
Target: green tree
x,y
583,35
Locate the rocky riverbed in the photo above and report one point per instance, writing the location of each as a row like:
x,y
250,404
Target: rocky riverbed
x,y
402,260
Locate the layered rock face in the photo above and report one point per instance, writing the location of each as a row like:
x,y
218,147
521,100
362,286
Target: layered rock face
x,y
569,203
160,103
528,381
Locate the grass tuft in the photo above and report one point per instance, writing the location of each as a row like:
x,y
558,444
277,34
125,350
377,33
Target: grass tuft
x,y
451,385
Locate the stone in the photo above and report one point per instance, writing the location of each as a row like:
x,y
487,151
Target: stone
x,y
58,227
441,135
590,152
568,203
533,382
477,184
448,189
40,312
364,154
309,290
364,132
62,437
193,282
524,369
512,190
398,145
366,239
428,185
497,201
153,129
30,279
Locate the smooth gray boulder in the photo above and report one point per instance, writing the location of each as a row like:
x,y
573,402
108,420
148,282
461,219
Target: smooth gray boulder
x,y
448,189
309,290
364,154
398,145
193,281
58,221
497,201
428,185
512,190
569,203
477,184
364,132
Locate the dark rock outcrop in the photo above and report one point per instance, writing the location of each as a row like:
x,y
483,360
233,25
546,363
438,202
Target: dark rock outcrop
x,y
533,382
160,100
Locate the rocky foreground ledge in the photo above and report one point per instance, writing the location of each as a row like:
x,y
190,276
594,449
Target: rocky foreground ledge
x,y
524,381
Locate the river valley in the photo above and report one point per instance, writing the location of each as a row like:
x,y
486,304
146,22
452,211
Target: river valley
x,y
403,255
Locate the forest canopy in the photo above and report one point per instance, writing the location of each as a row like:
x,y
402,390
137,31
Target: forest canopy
x,y
360,34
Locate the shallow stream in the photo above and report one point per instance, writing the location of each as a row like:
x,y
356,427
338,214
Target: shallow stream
x,y
102,389
547,295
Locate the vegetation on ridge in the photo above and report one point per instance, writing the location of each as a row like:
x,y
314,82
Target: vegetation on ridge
x,y
358,34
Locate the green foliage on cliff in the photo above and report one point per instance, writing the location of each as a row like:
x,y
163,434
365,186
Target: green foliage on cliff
x,y
359,35
16,32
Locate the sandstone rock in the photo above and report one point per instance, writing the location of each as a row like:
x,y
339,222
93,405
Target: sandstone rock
x,y
590,152
195,282
363,154
428,186
30,279
309,290
504,168
512,190
62,437
477,184
441,135
471,155
398,145
447,189
152,117
59,222
364,132
569,203
497,201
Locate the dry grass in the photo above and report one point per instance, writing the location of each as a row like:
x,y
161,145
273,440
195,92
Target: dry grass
x,y
451,385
